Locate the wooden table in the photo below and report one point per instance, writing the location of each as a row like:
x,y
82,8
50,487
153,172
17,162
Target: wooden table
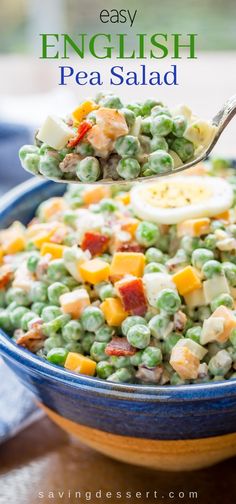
x,y
44,459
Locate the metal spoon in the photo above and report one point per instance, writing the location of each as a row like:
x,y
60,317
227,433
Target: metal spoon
x,y
220,120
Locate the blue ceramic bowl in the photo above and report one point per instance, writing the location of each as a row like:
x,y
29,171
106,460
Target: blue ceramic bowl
x,y
173,428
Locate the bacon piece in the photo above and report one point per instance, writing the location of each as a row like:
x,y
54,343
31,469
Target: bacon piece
x,y
33,339
130,247
96,243
132,295
180,320
119,347
6,274
149,375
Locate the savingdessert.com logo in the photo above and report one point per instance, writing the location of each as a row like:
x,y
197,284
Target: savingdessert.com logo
x,y
117,496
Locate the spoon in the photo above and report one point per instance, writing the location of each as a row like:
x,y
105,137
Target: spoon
x,y
220,120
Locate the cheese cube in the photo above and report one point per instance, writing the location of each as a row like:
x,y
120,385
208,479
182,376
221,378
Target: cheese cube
x,y
186,280
74,302
184,362
94,271
80,364
55,132
95,194
127,263
229,321
114,312
214,287
156,282
195,298
212,329
54,249
194,227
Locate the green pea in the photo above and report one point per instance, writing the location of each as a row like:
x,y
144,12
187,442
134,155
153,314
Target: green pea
x,y
128,168
92,318
159,326
104,369
147,233
104,334
129,117
136,108
232,337
154,255
212,269
17,314
210,242
136,359
55,291
87,342
201,256
57,356
184,148
85,149
32,262
203,312
122,375
217,224
26,319
222,300
154,268
119,362
20,297
57,270
5,321
69,218
111,101
168,301
179,126
38,307
27,149
55,325
151,357
29,157
229,269
97,351
38,292
160,110
54,341
50,313
161,125
160,161
146,126
72,331
158,143
189,244
176,380
130,322
127,146
170,341
88,169
74,346
194,333
49,166
149,105
139,336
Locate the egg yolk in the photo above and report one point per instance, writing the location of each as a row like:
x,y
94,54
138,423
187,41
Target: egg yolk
x,y
172,195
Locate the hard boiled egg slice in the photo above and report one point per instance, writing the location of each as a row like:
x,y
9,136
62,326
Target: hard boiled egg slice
x,y
175,199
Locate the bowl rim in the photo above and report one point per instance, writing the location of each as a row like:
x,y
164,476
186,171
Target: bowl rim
x,y
40,366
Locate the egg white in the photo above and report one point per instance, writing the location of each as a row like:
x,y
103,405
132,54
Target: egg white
x,y
220,199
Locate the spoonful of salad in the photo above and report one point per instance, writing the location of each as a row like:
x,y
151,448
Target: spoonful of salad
x,y
104,141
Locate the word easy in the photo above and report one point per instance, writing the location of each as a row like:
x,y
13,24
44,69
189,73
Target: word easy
x,y
118,76
115,16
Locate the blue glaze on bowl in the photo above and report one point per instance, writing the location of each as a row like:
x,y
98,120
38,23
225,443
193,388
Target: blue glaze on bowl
x,y
163,413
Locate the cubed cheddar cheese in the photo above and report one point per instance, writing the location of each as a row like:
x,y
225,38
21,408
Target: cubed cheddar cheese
x,y
80,364
95,194
127,263
130,225
1,255
114,312
186,280
54,249
229,321
94,271
194,227
74,302
14,244
41,238
83,110
224,216
184,362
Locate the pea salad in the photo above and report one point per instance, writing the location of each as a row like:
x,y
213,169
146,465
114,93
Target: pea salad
x,y
130,286
105,140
